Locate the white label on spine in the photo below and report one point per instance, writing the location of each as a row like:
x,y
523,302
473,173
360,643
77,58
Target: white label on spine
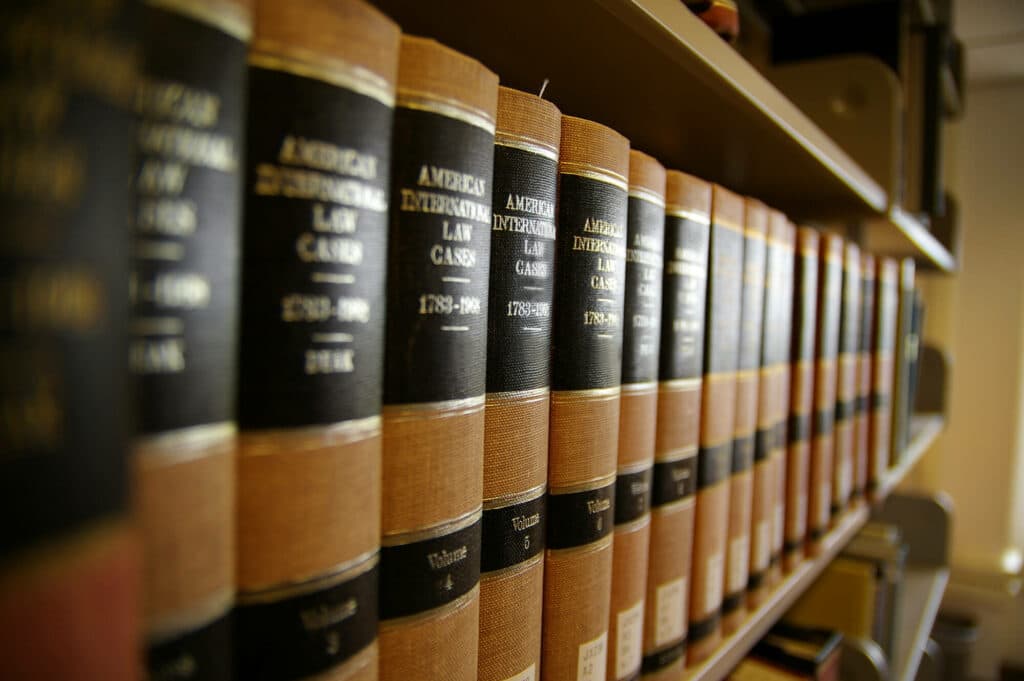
x,y
713,584
763,543
670,612
528,674
739,561
779,525
629,647
593,659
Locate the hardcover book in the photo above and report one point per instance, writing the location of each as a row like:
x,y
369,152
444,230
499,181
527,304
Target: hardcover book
x,y
184,295
718,411
586,369
518,379
846,381
883,370
70,592
645,239
862,420
801,392
435,364
680,376
741,494
317,157
826,351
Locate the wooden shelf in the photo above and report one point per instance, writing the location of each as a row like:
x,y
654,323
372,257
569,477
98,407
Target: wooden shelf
x,y
657,74
924,429
735,647
919,602
899,233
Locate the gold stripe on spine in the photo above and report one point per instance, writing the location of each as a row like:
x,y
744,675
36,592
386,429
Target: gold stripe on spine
x,y
633,525
438,612
513,499
680,454
229,17
184,444
425,101
257,444
584,486
332,577
728,224
593,173
507,139
169,627
512,569
643,387
269,54
677,211
573,395
646,195
637,467
593,547
518,394
464,405
402,537
682,384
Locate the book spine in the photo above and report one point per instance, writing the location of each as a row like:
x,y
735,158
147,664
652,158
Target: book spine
x,y
864,354
518,380
645,239
70,573
318,142
905,358
586,370
780,451
882,370
830,286
435,364
718,411
801,402
846,381
767,411
741,493
674,479
184,294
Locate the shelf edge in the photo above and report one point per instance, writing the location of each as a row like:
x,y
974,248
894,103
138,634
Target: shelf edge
x,y
930,610
932,425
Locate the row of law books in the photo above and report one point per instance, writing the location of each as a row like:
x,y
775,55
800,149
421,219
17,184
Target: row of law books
x,y
326,356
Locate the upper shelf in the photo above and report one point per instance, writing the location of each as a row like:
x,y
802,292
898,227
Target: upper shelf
x,y
654,72
899,233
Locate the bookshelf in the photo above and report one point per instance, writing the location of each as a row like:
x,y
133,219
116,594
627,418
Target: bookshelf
x,y
919,605
924,429
656,73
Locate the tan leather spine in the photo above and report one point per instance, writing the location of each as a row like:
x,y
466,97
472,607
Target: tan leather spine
x,y
184,588
801,393
862,445
846,381
582,453
433,452
718,411
668,580
825,384
515,441
629,583
883,369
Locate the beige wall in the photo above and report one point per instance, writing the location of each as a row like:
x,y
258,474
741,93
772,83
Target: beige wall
x,y
979,316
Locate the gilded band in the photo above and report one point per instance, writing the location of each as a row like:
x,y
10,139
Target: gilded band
x,y
644,194
592,172
401,538
677,211
443,106
333,576
507,139
184,444
225,16
275,56
200,614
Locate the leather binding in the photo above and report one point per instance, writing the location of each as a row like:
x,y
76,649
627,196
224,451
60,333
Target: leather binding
x,y
183,326
779,456
826,351
518,381
718,411
680,376
645,238
435,363
741,492
905,358
768,411
883,371
586,369
862,419
846,381
801,393
70,592
318,140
